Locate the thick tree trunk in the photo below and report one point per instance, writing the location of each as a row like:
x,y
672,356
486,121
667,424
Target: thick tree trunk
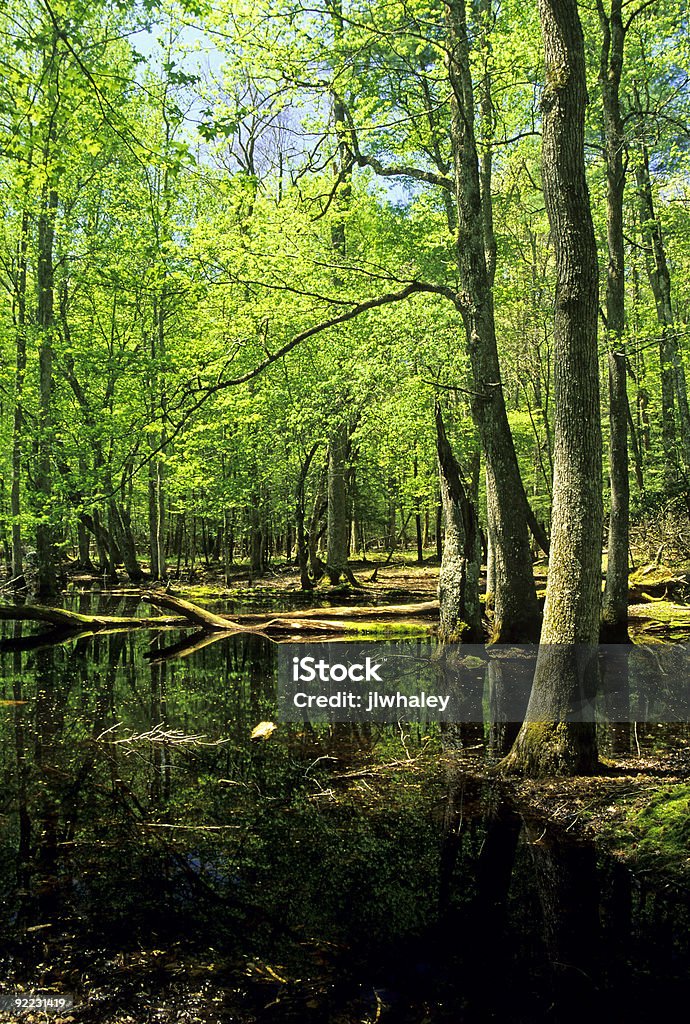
x,y
516,609
558,735
458,582
614,626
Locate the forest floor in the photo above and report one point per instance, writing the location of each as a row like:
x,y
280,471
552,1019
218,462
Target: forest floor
x,y
380,582
636,810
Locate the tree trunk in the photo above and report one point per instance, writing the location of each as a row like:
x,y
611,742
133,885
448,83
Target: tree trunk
x,y
458,581
256,537
614,618
18,425
120,527
107,559
156,520
516,609
490,565
337,530
306,581
614,625
673,383
84,547
228,544
314,533
47,582
557,736
418,517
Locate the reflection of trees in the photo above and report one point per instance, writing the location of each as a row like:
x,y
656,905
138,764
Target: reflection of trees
x,y
568,888
486,876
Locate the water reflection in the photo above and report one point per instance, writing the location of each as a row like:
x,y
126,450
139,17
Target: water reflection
x,y
153,856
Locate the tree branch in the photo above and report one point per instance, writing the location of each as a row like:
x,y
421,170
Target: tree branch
x,y
396,170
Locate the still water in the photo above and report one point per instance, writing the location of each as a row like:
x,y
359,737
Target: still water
x,y
159,865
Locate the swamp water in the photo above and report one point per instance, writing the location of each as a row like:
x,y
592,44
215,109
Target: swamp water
x,y
192,874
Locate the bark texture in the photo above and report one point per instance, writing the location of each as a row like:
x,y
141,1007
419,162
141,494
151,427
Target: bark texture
x,y
615,605
552,739
516,612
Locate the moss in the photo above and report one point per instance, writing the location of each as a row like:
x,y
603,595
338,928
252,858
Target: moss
x,y
663,611
192,592
552,748
663,827
654,575
408,629
660,619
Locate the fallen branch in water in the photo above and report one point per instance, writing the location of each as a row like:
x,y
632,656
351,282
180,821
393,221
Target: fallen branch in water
x,y
192,612
314,622
168,737
64,619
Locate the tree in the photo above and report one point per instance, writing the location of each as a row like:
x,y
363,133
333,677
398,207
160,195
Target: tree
x,y
515,606
458,583
551,738
615,602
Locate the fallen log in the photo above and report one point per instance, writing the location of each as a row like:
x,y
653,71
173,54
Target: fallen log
x,y
423,609
64,619
195,613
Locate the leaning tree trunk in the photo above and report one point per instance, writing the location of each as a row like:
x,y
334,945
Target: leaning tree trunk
x,y
556,736
614,624
458,581
516,614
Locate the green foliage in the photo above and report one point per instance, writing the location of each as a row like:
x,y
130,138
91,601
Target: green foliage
x,y
194,238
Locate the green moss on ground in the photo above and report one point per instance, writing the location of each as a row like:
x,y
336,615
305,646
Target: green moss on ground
x,y
662,828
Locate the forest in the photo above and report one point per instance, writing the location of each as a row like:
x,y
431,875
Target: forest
x,y
361,326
